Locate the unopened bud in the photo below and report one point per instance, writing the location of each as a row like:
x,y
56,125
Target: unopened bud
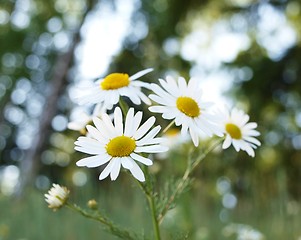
x,y
92,204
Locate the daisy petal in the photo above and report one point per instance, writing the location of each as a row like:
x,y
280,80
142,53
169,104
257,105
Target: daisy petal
x,y
76,126
152,133
95,134
89,150
137,172
144,128
144,98
115,169
182,83
85,141
172,82
236,145
118,121
173,89
169,115
136,122
252,140
227,142
184,129
151,149
93,161
106,132
141,159
141,73
157,109
127,162
160,92
98,109
132,93
164,101
129,121
250,125
253,133
194,137
105,123
141,84
106,171
249,150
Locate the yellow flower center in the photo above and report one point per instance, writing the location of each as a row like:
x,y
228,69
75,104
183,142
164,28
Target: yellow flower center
x,y
121,146
115,81
188,106
233,131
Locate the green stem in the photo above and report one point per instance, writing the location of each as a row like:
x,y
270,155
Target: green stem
x,y
84,213
142,187
152,206
181,186
149,194
168,126
123,234
147,189
203,156
124,107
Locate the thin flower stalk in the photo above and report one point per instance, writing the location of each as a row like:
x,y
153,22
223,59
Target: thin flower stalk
x,y
111,227
183,182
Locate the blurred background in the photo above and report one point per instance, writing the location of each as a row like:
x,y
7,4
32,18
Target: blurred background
x,y
246,53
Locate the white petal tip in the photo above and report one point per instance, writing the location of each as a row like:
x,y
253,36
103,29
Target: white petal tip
x,y
150,163
101,177
79,165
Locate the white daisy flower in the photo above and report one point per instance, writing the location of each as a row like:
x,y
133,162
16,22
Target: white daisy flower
x,y
249,234
109,89
80,123
244,232
57,196
239,132
120,145
183,103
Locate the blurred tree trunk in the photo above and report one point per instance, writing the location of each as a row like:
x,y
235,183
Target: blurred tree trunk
x,y
30,165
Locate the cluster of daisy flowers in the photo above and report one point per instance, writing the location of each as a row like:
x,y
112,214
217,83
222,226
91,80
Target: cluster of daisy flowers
x,y
123,140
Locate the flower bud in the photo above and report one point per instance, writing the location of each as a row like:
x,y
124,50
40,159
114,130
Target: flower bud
x,y
92,204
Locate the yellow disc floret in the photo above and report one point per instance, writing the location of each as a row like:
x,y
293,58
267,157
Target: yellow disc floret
x,y
115,81
233,130
121,146
188,106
